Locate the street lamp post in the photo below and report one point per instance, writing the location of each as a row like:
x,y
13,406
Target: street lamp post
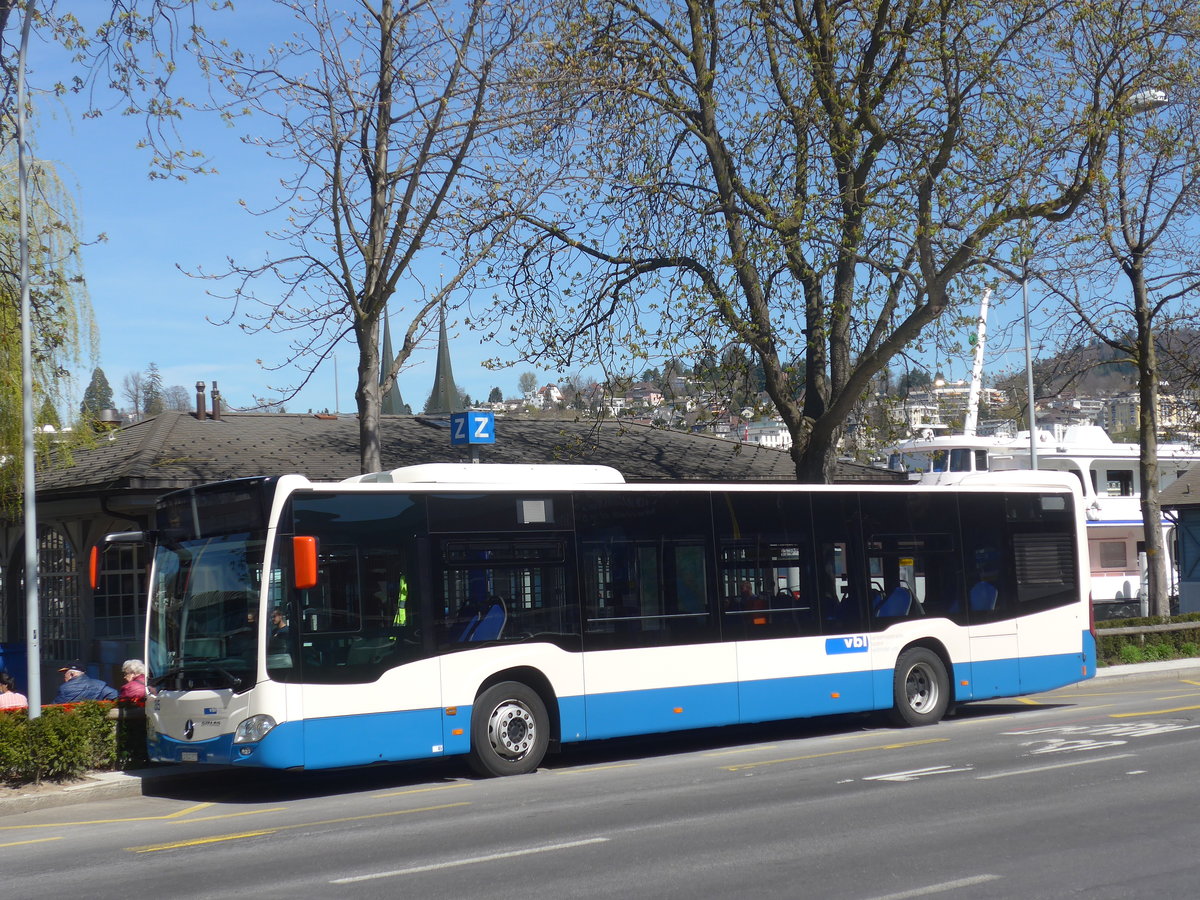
x,y
1033,463
33,664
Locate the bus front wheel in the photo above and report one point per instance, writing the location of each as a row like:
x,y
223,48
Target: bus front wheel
x,y
920,688
509,730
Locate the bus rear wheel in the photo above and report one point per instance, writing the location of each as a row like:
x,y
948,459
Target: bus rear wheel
x,y
509,730
920,688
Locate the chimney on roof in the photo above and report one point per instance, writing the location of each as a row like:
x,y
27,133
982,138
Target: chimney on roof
x,y
216,403
201,411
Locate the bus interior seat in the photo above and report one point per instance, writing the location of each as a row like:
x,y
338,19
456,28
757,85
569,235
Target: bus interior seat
x,y
896,604
486,626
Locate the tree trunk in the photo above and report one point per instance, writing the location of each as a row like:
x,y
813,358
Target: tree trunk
x,y
367,396
1158,584
816,459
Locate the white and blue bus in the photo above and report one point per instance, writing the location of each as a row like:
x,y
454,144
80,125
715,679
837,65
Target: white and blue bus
x,y
499,612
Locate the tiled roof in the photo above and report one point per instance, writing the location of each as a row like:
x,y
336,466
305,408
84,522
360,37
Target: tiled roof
x,y
175,450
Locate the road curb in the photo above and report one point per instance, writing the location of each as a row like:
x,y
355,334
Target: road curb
x,y
100,786
1179,668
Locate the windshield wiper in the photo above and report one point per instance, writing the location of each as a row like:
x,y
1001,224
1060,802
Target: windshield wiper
x,y
194,668
160,680
234,681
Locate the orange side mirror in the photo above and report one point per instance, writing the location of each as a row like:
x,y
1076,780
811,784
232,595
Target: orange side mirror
x,y
94,566
304,562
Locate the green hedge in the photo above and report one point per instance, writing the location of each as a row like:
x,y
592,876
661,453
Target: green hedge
x,y
1117,649
66,741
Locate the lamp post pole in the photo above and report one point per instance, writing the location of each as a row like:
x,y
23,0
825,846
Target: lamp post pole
x,y
1033,463
33,661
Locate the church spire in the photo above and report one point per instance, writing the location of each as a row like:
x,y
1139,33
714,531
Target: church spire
x,y
391,403
444,397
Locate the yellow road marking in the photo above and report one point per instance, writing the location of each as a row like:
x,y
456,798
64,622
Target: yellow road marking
x,y
1153,712
175,845
770,762
174,815
195,842
190,809
34,841
595,769
233,815
441,787
1029,701
740,750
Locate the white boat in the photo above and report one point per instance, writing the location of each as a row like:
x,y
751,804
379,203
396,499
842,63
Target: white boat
x,y
1107,471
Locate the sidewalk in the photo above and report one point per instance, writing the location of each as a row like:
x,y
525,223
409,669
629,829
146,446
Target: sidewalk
x,y
99,786
107,785
1183,668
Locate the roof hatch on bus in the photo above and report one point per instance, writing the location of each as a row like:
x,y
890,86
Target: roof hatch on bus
x,y
497,473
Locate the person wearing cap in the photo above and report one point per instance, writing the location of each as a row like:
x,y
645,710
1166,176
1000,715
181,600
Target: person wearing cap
x,y
77,685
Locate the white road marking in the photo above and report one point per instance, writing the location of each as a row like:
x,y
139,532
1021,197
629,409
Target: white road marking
x,y
914,774
470,861
940,888
1066,765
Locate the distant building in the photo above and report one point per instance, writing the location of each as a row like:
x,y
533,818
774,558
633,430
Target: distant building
x,y
769,433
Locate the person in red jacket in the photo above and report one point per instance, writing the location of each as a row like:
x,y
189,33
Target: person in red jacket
x,y
134,688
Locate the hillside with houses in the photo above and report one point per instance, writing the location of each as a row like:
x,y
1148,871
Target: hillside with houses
x,y
725,406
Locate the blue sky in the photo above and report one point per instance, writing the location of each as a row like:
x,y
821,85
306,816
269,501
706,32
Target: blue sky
x,y
148,309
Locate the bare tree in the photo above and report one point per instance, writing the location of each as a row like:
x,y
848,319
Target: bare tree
x,y
1131,270
816,183
178,397
391,114
133,389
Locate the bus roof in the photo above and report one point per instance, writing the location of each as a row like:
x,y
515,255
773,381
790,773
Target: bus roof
x,y
492,473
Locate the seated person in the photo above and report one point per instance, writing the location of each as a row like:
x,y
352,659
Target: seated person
x,y
78,685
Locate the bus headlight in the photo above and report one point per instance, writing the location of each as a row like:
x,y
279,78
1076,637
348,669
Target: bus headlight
x,y
253,729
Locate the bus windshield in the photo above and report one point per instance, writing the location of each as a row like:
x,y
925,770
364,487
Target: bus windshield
x,y
203,630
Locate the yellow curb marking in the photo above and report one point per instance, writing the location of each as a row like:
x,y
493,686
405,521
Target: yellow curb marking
x,y
174,815
770,762
175,845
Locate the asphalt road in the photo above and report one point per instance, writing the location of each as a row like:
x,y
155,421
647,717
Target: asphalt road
x,y
1086,791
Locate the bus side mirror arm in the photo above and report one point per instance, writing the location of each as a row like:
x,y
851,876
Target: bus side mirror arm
x,y
117,537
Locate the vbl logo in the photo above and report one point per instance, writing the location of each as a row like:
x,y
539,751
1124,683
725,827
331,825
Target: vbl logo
x,y
854,644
